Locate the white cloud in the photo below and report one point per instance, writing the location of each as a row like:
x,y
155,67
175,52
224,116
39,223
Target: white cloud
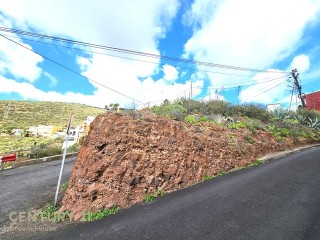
x,y
102,96
170,73
136,25
16,60
301,63
246,33
53,80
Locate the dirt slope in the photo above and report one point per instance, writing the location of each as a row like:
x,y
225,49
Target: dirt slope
x,y
124,158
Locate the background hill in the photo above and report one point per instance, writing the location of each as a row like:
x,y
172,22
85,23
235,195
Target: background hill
x,y
22,114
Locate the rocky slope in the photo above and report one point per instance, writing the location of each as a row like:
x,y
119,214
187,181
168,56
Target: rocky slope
x,y
125,158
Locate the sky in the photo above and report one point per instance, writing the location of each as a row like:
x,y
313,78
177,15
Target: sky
x,y
267,35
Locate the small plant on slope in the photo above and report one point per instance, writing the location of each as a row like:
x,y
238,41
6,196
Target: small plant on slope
x,y
255,163
207,177
149,198
160,192
92,216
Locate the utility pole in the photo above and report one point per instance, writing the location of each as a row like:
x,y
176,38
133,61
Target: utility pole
x,y
295,76
238,94
7,111
191,90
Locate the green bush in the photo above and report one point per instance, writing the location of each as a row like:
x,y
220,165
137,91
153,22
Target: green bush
x,y
174,111
191,106
190,119
74,148
44,150
308,113
254,111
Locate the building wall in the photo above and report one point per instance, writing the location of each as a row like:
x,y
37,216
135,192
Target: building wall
x,y
312,100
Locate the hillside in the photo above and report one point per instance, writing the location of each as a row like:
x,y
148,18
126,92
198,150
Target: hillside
x,y
23,114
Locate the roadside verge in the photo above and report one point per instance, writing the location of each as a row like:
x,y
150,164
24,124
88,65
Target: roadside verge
x,y
39,160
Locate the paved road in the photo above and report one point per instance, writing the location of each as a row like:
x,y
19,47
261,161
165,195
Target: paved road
x,y
277,200
30,187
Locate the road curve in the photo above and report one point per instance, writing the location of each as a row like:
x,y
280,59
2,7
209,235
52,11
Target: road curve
x,y
276,200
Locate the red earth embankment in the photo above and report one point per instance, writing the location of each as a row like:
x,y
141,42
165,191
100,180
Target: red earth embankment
x,y
125,158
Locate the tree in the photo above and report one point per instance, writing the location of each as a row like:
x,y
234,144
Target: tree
x,y
116,106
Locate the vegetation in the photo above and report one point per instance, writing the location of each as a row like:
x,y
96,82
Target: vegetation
x,y
30,146
64,186
280,123
92,216
50,213
255,163
160,192
207,178
74,148
44,150
149,198
22,114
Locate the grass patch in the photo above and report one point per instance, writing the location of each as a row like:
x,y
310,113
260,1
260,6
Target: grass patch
x,y
50,213
207,177
255,163
160,192
64,186
221,173
149,198
92,216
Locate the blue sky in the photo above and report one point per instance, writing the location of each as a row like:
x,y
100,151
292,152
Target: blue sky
x,y
261,35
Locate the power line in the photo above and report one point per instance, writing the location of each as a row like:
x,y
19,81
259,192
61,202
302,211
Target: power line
x,y
71,70
133,52
266,91
122,57
270,80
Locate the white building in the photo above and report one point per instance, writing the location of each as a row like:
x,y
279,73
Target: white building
x,y
42,130
272,107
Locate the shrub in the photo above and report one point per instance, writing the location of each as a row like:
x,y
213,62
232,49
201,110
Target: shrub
x,y
254,125
255,111
174,111
190,119
308,113
74,148
44,150
191,106
216,107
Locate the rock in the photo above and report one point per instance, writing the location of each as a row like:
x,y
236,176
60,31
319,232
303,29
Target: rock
x,y
123,159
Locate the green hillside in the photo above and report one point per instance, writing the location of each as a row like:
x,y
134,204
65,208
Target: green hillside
x,y
22,114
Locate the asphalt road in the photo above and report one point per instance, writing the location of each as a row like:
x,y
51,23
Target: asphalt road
x,y
29,187
277,200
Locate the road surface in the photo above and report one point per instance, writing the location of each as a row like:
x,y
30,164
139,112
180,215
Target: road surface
x,y
29,187
276,200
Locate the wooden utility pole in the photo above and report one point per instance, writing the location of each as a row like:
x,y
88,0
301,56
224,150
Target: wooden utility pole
x,y
295,76
191,91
